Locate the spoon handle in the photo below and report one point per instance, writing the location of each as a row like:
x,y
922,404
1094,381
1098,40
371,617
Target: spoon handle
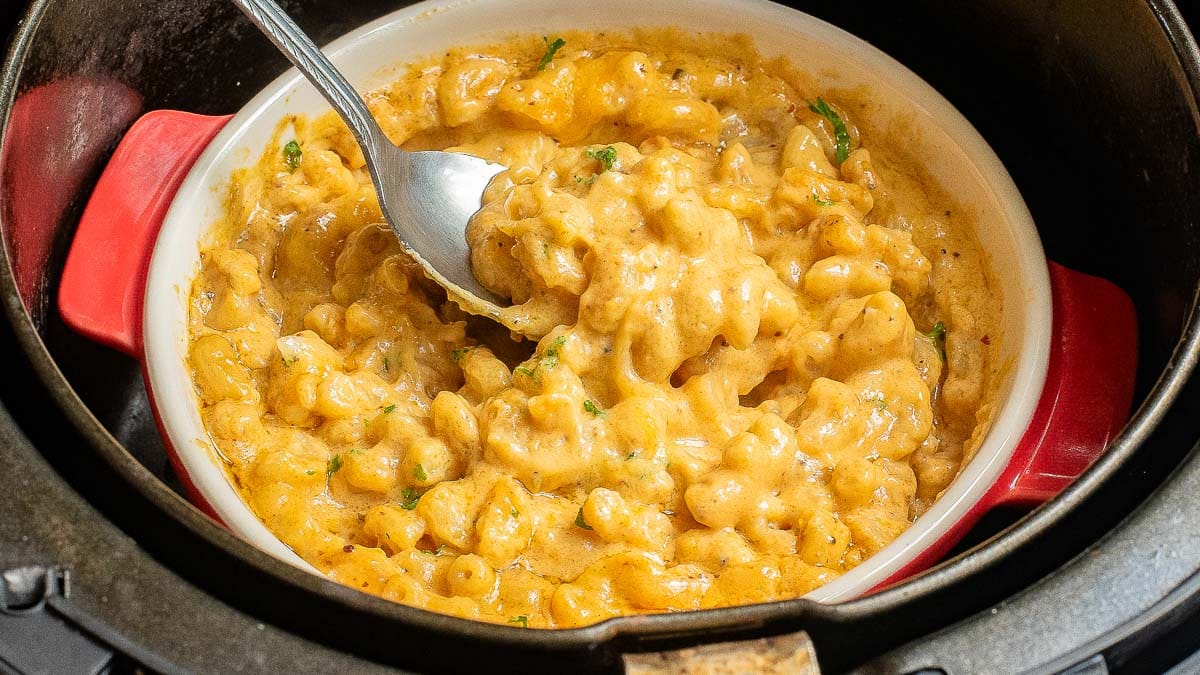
x,y
308,59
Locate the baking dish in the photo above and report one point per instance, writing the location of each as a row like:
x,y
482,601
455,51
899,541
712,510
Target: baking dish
x,y
1069,338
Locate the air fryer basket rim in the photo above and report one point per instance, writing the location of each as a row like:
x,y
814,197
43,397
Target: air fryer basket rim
x,y
984,557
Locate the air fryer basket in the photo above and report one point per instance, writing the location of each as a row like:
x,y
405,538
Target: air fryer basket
x,y
1092,106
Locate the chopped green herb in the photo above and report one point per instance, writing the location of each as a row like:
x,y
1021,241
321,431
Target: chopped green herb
x,y
289,362
551,49
880,402
551,359
631,455
419,473
522,620
310,472
390,409
333,465
411,497
515,513
840,135
580,522
591,407
938,332
459,354
357,451
937,335
606,156
821,202
292,154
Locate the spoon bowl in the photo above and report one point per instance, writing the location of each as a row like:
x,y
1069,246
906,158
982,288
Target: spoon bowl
x,y
428,198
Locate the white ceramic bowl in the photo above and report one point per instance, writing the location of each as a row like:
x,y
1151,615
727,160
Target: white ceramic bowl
x,y
953,153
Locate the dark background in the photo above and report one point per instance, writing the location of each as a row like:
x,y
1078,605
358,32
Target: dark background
x,y
9,11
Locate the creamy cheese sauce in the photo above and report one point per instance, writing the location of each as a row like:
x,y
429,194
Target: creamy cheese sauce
x,y
742,392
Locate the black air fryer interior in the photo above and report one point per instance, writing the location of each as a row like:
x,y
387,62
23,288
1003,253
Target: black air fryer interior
x,y
1088,104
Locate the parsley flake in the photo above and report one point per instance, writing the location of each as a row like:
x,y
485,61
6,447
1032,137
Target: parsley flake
x,y
606,156
333,465
459,354
292,154
522,620
840,135
592,408
937,335
411,497
549,361
551,49
580,522
390,409
821,202
938,332
419,473
551,358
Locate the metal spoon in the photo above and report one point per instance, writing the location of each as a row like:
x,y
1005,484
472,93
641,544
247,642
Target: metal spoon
x,y
427,197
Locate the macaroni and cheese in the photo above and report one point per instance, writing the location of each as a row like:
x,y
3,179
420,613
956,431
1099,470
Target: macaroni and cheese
x,y
768,345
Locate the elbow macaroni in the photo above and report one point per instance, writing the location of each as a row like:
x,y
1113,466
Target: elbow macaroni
x,y
733,402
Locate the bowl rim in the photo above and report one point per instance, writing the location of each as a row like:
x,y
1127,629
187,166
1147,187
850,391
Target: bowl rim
x,y
968,487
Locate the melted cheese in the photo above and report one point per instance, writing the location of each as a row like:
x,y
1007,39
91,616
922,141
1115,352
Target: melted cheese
x,y
734,401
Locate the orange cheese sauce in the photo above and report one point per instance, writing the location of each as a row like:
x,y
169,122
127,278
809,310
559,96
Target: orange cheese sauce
x,y
737,398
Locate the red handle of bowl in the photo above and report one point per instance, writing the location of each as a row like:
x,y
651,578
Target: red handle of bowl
x,y
1088,392
1084,403
103,283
